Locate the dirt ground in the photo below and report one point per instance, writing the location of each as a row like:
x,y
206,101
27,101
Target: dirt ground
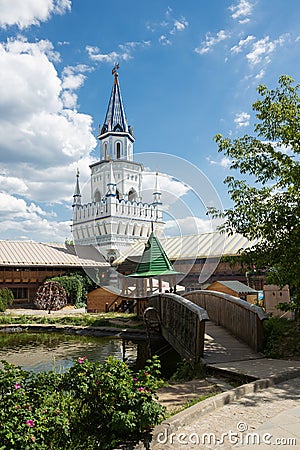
x,y
175,396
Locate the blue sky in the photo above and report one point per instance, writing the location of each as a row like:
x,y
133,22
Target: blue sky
x,y
188,70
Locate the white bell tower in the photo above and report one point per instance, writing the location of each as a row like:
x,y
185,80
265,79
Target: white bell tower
x,y
116,216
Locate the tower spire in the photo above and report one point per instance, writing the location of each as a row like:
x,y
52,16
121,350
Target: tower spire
x,y
116,136
156,193
115,119
111,185
77,193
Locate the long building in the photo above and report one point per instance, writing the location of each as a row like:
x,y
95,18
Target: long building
x,y
25,265
201,258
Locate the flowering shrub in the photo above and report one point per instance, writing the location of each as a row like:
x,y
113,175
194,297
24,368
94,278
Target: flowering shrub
x,y
50,296
28,413
90,406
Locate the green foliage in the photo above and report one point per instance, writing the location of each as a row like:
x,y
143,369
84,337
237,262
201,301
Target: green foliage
x,y
76,286
267,207
186,371
292,306
281,338
95,320
91,406
6,299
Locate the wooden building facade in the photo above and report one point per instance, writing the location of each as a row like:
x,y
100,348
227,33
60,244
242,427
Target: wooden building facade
x,y
25,265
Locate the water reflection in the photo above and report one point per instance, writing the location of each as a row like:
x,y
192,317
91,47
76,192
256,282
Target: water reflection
x,y
47,351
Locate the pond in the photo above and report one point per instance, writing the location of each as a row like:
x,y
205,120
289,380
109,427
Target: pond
x,y
47,351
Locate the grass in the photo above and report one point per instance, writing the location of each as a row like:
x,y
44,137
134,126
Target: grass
x,y
89,320
190,403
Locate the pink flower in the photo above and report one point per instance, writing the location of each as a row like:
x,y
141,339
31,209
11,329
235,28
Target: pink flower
x,y
134,379
32,438
80,360
141,389
146,374
28,407
30,423
17,386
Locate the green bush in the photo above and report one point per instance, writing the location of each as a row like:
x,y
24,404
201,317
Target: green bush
x,y
186,371
91,406
281,338
6,299
76,286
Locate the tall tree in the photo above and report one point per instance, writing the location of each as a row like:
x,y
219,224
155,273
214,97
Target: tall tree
x,y
267,207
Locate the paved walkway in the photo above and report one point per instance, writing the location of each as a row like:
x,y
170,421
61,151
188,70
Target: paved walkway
x,y
266,419
262,414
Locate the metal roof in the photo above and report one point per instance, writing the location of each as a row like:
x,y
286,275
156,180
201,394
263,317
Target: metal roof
x,y
37,254
235,286
196,246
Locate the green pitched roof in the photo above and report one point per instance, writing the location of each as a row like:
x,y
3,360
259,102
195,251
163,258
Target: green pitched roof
x,y
154,261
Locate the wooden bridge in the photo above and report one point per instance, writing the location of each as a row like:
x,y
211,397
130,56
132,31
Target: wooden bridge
x,y
182,320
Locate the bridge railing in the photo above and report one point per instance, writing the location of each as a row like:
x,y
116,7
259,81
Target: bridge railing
x,y
182,324
243,319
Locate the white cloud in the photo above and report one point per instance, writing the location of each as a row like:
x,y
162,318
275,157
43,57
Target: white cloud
x,y
168,27
72,79
242,119
262,49
124,52
260,74
95,55
20,220
179,25
186,226
242,10
12,185
242,43
210,41
171,188
224,162
42,139
24,13
11,205
164,40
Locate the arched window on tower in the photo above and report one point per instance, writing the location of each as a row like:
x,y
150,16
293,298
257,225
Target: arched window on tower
x,y
118,195
97,196
118,150
132,195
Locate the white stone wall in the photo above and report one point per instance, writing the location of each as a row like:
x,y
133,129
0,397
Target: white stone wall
x,y
127,176
108,146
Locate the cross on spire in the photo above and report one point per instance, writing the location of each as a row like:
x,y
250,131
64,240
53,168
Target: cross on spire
x,y
115,70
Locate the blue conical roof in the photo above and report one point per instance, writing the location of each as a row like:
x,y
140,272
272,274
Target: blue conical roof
x,y
115,119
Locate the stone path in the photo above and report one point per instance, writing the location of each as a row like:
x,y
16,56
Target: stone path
x,y
270,417
262,414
